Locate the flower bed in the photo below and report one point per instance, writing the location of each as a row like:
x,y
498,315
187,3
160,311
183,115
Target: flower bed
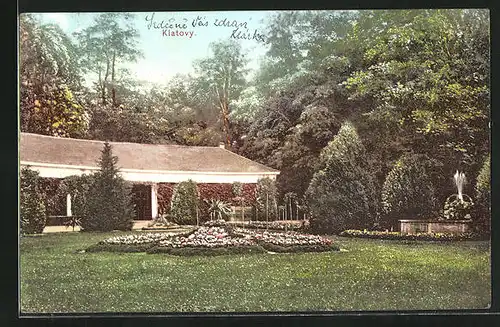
x,y
411,237
288,241
207,241
208,237
216,241
131,242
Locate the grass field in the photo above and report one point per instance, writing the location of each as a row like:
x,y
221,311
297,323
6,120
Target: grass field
x,y
370,275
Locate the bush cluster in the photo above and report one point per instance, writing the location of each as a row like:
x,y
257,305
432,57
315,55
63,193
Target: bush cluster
x,y
33,213
103,247
455,209
408,192
482,216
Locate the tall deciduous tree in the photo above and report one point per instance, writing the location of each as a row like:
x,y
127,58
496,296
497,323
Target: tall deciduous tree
x,y
49,76
105,45
222,76
426,73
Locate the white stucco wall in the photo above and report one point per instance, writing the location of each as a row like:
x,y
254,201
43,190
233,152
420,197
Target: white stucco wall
x,y
152,176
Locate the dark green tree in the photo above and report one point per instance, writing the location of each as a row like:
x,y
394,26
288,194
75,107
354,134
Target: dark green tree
x,y
342,193
408,192
108,200
222,77
31,203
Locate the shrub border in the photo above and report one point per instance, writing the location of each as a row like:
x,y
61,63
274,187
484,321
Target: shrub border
x,y
437,237
298,248
130,248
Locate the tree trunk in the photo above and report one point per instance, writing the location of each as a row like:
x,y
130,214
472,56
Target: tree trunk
x,y
113,91
297,215
267,210
102,85
105,83
225,121
242,210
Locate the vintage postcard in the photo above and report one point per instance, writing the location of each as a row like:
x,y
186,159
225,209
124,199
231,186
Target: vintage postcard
x,y
254,161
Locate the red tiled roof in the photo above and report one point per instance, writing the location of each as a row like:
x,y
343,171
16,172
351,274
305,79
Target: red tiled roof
x,y
66,151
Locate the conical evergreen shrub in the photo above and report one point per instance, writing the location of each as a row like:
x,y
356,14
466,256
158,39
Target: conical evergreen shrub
x,y
408,192
108,200
342,194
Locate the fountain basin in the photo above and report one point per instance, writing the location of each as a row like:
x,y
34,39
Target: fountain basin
x,y
413,226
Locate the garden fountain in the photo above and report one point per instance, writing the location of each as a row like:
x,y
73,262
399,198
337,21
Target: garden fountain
x,y
460,181
456,217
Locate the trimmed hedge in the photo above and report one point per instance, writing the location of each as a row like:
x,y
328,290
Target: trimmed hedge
x,y
205,251
298,248
101,247
410,237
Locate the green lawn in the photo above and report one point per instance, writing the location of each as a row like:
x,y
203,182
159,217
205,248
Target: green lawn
x,y
370,275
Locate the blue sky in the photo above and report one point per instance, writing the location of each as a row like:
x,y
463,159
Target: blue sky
x,y
166,56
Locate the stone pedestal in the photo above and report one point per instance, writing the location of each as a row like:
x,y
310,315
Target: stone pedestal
x,y
413,226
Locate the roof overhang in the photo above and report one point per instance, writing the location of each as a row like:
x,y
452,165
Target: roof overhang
x,y
52,170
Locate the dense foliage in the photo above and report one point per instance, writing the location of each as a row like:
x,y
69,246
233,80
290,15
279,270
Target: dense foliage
x,y
483,196
32,212
342,193
184,206
409,80
108,202
408,191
